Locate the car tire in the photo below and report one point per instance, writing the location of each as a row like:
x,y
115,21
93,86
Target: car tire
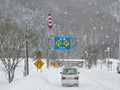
x,y
119,72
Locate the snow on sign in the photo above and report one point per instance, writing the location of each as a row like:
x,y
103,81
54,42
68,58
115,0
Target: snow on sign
x,y
62,43
39,63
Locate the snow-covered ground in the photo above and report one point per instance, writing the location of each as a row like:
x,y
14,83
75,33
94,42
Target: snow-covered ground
x,y
90,79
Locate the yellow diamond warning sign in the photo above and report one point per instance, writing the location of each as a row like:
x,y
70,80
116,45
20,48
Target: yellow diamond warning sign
x,y
66,43
58,43
39,63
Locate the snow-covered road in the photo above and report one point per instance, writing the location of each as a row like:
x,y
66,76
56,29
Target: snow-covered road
x,y
94,79
90,79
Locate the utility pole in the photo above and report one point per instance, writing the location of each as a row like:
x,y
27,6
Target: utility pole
x,y
26,65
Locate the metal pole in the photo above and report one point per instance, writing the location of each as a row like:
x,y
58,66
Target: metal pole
x,y
47,52
108,49
26,65
119,45
50,27
25,55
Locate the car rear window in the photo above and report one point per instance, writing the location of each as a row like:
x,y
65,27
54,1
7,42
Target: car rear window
x,y
69,71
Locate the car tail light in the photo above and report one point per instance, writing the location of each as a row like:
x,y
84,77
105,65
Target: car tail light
x,y
76,78
63,78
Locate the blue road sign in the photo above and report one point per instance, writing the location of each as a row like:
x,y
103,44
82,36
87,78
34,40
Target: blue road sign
x,y
62,43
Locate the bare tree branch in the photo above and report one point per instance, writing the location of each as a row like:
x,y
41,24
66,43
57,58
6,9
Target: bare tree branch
x,y
11,48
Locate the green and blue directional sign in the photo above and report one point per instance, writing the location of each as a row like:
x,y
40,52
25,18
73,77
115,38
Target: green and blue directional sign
x,y
62,43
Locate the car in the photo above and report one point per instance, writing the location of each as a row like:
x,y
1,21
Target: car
x,y
70,76
118,67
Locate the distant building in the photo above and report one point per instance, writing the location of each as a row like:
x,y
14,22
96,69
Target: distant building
x,y
71,62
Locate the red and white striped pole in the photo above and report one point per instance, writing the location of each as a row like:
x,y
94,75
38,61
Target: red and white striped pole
x,y
50,27
49,21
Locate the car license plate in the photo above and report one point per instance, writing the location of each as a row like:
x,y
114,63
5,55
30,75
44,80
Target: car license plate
x,y
69,78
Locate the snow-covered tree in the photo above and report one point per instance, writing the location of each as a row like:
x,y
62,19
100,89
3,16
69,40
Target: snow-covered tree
x,y
11,48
